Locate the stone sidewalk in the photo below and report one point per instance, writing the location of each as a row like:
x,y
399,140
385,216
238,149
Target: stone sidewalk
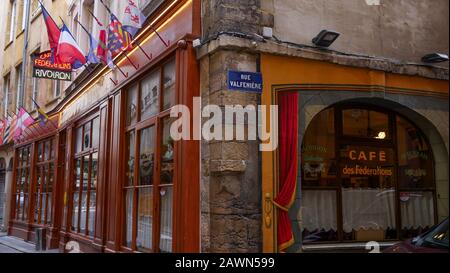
x,y
9,244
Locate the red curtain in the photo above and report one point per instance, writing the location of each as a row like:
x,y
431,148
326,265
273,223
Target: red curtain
x,y
288,169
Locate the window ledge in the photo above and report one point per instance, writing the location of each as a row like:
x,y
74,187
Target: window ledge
x,y
20,33
35,14
8,45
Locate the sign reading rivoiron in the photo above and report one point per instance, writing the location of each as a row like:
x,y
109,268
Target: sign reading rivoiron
x,y
44,67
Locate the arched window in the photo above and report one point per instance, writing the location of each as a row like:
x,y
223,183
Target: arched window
x,y
366,174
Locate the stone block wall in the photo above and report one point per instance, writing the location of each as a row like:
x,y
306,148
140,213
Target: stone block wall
x,y
230,185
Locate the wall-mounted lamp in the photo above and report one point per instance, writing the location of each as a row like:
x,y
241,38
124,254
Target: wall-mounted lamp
x,y
435,58
325,38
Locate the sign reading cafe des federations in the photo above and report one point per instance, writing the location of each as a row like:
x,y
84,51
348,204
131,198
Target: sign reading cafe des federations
x,y
43,67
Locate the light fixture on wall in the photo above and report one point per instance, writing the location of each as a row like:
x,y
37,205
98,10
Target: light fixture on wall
x,y
435,58
381,135
325,38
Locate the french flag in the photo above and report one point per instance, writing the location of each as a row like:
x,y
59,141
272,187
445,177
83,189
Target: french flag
x,y
68,50
53,31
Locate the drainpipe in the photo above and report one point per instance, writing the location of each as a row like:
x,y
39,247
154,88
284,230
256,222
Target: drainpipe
x,y
24,56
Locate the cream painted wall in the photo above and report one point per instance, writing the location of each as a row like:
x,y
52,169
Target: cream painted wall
x,y
402,29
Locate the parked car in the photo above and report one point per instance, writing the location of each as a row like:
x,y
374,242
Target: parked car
x,y
433,241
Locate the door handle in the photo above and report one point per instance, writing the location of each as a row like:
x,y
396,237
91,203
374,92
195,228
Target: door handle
x,y
268,208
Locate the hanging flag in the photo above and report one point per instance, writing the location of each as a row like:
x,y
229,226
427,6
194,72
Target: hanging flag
x,y
42,116
7,126
118,39
68,50
102,49
2,129
12,129
133,18
53,31
24,120
93,44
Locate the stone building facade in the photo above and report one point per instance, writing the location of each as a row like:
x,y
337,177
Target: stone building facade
x,y
381,39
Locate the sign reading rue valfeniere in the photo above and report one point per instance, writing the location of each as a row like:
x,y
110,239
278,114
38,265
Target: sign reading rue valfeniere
x,y
44,68
245,81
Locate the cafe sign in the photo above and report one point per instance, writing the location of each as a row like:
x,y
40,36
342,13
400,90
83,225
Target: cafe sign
x,y
364,161
45,68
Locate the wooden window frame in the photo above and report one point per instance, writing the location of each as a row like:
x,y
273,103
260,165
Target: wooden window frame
x,y
21,188
43,170
157,120
391,143
82,155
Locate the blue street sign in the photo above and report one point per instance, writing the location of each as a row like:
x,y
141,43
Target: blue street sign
x,y
245,81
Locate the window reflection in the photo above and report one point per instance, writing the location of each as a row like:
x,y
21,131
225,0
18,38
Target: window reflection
x,y
169,84
132,104
366,124
150,95
147,156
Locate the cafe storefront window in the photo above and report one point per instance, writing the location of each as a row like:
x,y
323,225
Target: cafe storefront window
x,y
45,168
84,185
367,175
23,182
149,182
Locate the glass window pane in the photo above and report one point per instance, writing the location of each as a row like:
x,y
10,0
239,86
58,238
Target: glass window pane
x,y
83,212
319,163
78,139
319,216
147,156
25,206
132,105
52,149
40,152
130,158
75,211
94,171
169,85
75,190
37,200
20,201
50,178
145,219
46,150
165,242
49,208
43,207
417,213
366,124
87,136
95,132
415,160
128,228
77,181
369,214
167,154
150,95
91,211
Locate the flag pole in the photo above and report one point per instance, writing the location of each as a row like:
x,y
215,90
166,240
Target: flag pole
x,y
90,37
143,51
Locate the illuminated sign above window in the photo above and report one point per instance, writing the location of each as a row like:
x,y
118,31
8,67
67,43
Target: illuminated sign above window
x,y
44,67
